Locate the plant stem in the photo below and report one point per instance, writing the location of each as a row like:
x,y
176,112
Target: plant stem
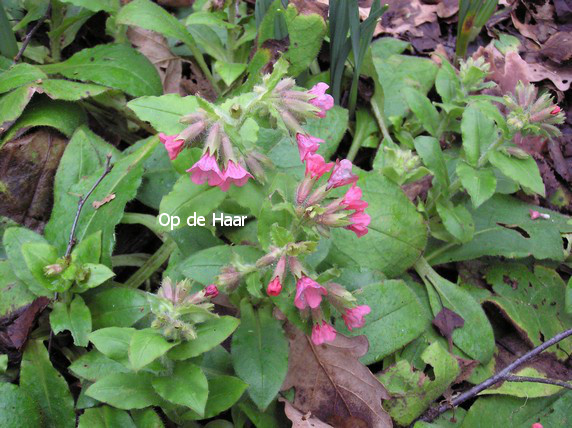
x,y
356,145
512,378
378,113
29,36
152,264
231,32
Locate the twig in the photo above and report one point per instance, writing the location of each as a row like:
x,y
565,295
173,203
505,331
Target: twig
x,y
513,378
82,201
503,375
29,36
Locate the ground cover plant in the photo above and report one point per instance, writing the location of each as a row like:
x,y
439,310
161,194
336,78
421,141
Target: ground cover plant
x,y
269,213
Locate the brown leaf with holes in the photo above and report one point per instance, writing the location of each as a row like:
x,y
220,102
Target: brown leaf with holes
x,y
332,384
300,420
97,204
27,168
16,326
446,321
558,47
403,16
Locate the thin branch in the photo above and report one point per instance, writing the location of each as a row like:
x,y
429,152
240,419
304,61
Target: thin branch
x,y
82,201
504,374
29,36
513,378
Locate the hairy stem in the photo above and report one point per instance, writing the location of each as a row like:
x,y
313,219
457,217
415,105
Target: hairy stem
x,y
152,264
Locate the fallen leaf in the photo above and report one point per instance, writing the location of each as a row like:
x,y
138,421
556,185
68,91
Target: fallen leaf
x,y
198,84
300,420
558,47
332,384
108,198
16,326
446,321
403,16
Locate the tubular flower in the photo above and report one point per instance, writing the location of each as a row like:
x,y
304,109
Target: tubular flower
x,y
322,333
360,221
354,317
352,199
211,291
321,100
342,174
173,143
274,287
316,166
235,174
206,170
555,111
308,293
307,144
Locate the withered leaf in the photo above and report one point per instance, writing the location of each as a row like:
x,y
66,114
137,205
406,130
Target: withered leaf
x,y
15,327
558,47
300,420
97,204
332,384
446,321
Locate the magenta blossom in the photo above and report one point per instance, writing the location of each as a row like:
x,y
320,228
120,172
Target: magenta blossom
x,y
323,333
307,144
321,100
308,293
352,199
360,221
354,317
234,174
211,290
316,166
206,170
342,174
173,143
274,287
555,111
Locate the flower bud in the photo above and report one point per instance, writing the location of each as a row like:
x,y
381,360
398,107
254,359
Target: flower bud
x,y
211,291
193,131
52,270
229,277
295,267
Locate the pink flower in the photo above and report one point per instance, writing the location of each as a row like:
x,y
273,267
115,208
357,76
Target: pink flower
x,y
537,425
555,111
173,144
274,287
354,317
206,169
307,144
342,174
211,291
322,100
234,174
535,214
323,333
352,199
308,293
316,166
360,221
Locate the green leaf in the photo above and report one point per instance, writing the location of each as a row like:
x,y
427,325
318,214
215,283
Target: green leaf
x,y
13,292
260,353
96,5
47,387
59,89
38,255
76,319
19,75
568,297
13,104
393,322
146,346
479,183
478,132
125,390
331,129
123,181
224,391
187,386
209,334
429,150
105,417
229,71
17,408
188,198
413,390
66,117
503,227
447,83
94,365
517,290
396,237
98,274
118,306
524,171
164,112
424,110
524,389
148,15
115,65
147,418
113,342
13,240
457,220
88,250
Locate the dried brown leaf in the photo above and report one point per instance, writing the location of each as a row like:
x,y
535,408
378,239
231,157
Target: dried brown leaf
x,y
300,420
97,204
446,321
558,47
332,384
16,327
